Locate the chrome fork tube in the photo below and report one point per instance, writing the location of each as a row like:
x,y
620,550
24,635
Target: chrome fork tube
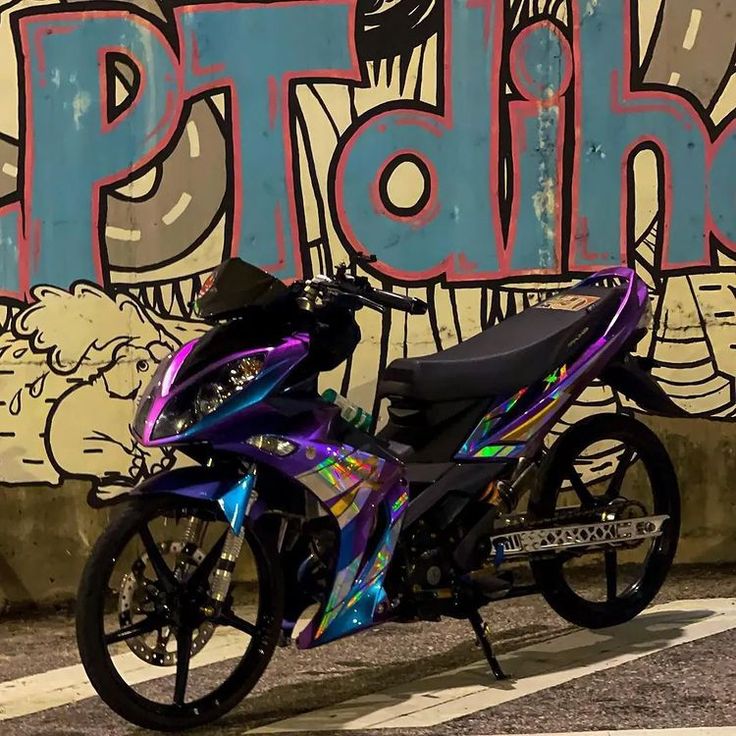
x,y
193,534
194,531
226,566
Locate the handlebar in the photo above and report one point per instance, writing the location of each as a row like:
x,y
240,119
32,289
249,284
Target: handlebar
x,y
408,304
359,290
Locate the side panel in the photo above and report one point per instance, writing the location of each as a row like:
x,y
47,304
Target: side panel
x,y
518,423
359,489
354,487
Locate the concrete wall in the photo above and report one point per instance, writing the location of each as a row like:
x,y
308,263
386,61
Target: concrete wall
x,y
486,152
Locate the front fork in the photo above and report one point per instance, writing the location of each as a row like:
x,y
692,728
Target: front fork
x,y
235,504
225,567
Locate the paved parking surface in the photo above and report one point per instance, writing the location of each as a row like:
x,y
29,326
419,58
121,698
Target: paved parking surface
x,y
674,667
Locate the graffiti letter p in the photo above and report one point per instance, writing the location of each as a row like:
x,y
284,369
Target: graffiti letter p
x,y
79,137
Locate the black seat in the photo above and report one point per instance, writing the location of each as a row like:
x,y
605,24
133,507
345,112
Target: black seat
x,y
515,353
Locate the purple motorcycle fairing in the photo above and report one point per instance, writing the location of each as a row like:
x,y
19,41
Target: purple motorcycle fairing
x,y
517,424
279,361
351,485
354,486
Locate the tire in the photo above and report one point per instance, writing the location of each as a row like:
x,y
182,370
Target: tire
x,y
548,571
96,657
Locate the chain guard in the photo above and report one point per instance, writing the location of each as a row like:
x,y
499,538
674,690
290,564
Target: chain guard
x,y
622,523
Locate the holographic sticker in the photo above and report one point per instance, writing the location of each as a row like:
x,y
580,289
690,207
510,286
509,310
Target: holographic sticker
x,y
555,377
490,421
344,480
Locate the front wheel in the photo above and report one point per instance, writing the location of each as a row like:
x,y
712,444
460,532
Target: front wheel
x,y
146,625
607,466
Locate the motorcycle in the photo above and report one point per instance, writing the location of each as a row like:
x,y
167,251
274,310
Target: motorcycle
x,y
349,527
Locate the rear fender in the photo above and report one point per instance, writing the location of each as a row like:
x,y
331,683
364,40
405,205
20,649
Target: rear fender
x,y
231,492
631,376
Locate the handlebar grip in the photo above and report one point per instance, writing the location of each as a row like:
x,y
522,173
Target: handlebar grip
x,y
407,304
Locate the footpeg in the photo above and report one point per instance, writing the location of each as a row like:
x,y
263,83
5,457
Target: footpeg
x,y
489,583
483,639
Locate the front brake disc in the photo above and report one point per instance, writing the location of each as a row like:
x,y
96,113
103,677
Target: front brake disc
x,y
134,599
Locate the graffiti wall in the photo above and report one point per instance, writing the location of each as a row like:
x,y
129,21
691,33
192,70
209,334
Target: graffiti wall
x,y
487,151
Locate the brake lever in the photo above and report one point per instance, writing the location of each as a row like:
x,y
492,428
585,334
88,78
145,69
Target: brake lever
x,y
358,300
371,305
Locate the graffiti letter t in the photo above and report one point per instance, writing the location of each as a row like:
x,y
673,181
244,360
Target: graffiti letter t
x,y
255,49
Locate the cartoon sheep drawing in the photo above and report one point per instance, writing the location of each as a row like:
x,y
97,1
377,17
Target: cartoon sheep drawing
x,y
72,365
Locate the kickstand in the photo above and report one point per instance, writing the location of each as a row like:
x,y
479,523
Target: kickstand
x,y
482,634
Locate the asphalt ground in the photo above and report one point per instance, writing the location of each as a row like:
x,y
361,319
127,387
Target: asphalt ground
x,y
691,684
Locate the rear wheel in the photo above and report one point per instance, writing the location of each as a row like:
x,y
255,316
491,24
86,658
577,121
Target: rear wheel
x,y
614,465
145,623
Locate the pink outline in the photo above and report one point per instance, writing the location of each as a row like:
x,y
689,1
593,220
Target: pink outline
x,y
23,266
38,24
273,100
102,55
197,69
437,124
485,6
672,103
280,239
40,56
223,80
517,65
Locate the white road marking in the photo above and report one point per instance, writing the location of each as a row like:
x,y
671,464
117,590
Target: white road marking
x,y
10,170
702,731
193,135
121,233
674,79
66,685
450,695
178,209
691,34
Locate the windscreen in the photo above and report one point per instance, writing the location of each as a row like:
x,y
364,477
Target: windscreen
x,y
234,285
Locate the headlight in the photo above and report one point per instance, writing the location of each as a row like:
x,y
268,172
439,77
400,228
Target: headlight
x,y
202,399
229,380
273,445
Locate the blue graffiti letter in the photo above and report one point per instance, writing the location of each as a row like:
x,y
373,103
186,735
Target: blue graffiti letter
x,y
256,48
541,68
615,123
11,278
75,140
453,226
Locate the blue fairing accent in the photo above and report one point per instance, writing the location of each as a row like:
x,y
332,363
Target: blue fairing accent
x,y
235,502
207,484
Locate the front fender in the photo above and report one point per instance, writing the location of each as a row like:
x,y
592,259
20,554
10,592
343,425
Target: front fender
x,y
231,492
